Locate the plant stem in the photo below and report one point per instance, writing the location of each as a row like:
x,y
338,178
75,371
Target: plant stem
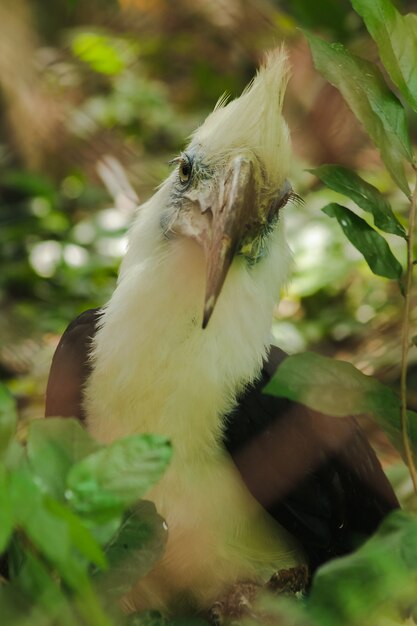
x,y
405,337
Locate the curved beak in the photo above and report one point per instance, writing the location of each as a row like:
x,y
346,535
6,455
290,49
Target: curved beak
x,y
232,214
220,217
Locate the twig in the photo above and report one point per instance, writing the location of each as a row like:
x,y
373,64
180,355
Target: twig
x,y
405,337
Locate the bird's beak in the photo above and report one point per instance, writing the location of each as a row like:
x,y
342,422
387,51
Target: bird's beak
x,y
232,211
220,218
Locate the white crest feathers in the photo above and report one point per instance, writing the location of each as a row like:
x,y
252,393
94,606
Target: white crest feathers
x,y
253,121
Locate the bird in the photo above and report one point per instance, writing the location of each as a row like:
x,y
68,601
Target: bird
x,y
257,485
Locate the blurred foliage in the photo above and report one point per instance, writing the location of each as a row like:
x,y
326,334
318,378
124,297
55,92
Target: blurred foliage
x,y
80,81
70,514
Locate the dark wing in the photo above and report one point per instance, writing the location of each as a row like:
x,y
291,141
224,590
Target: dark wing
x,y
70,367
316,475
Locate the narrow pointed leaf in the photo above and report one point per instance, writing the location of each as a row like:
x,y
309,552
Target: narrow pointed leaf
x,y
376,107
371,244
337,388
396,38
80,536
365,195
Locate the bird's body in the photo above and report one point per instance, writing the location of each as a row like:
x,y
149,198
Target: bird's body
x,y
182,382
215,224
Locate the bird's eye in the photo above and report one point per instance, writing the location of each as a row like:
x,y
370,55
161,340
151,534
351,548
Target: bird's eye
x,y
185,169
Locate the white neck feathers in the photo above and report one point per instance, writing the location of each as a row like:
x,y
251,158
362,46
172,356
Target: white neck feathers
x,y
155,369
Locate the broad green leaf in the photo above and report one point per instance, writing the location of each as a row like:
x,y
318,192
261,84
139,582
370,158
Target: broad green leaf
x,y
396,38
48,533
8,419
337,388
366,196
375,106
6,510
378,577
54,445
118,475
137,546
103,523
371,244
14,456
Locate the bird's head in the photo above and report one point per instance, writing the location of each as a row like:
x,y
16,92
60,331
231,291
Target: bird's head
x,y
230,183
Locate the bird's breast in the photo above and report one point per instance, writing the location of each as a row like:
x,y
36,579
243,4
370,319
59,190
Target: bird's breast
x,y
156,370
217,535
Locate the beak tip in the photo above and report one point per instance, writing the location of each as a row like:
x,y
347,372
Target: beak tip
x,y
208,310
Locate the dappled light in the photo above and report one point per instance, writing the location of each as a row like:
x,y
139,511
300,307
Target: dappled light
x,y
108,515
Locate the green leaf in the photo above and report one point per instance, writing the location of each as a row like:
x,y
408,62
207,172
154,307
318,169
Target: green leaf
x,y
328,385
80,536
8,419
137,546
15,455
371,244
15,557
99,51
28,183
15,608
375,106
396,38
37,584
54,445
6,510
337,388
366,196
48,533
378,577
117,476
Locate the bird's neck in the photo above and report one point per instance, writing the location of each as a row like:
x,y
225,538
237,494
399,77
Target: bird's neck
x,y
156,370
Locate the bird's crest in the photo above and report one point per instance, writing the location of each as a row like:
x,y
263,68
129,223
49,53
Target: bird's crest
x,y
253,121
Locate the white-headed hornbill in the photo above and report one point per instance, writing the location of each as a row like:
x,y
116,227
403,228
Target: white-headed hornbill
x,y
257,483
